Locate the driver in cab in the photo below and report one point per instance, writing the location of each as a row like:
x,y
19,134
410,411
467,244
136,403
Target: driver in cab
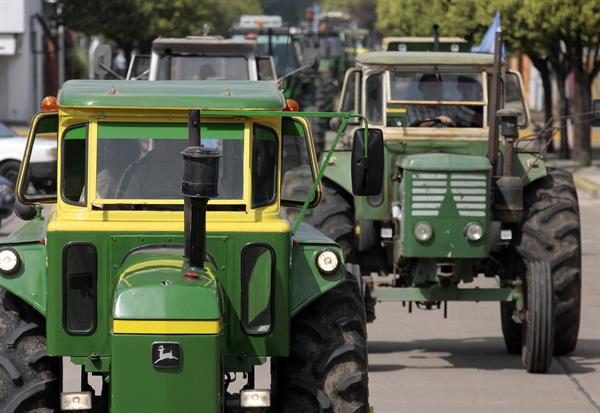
x,y
428,115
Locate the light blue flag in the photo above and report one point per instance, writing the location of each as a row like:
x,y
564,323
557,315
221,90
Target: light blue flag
x,y
487,43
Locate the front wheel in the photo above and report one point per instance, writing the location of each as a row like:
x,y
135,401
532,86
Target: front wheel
x,y
28,377
326,370
538,326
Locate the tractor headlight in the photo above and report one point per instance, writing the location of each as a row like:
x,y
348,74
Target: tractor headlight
x,y
423,231
10,262
473,231
328,261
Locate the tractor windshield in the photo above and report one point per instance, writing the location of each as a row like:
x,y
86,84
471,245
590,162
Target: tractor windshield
x,y
434,99
195,67
143,160
285,50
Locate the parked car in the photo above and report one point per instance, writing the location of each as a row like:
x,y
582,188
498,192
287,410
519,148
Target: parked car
x,y
43,156
7,198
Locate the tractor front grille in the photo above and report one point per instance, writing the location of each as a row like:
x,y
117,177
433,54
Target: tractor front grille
x,y
447,194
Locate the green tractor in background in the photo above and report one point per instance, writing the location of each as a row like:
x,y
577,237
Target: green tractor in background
x,y
458,202
310,64
162,273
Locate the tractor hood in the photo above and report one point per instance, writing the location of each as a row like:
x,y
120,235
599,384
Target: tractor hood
x,y
154,284
445,162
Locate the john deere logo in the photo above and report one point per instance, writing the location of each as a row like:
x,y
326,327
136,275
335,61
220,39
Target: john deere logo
x,y
166,354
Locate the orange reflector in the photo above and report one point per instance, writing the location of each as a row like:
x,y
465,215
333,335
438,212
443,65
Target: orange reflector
x,y
251,36
291,106
49,103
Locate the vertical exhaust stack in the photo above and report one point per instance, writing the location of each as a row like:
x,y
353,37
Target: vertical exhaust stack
x,y
199,184
436,37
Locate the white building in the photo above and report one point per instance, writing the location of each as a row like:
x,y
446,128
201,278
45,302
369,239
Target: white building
x,y
21,59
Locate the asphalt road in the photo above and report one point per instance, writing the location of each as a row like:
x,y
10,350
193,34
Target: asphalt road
x,y
420,362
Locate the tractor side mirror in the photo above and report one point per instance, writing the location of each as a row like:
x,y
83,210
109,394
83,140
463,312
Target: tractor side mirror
x,y
367,162
508,119
596,112
25,212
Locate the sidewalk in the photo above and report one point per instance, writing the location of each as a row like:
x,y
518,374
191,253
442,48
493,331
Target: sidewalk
x,y
586,179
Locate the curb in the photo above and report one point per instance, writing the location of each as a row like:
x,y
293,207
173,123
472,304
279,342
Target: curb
x,y
586,185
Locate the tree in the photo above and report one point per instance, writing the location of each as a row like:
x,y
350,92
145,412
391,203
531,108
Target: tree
x,y
135,23
574,26
558,36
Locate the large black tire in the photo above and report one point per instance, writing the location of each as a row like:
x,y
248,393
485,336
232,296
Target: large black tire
x,y
28,377
334,216
551,233
327,370
538,326
10,170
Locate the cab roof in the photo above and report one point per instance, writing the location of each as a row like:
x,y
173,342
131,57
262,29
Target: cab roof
x,y
425,58
204,44
196,94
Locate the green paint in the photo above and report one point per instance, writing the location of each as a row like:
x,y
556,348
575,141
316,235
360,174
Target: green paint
x,y
29,282
171,94
224,247
155,130
307,282
447,191
443,162
137,386
76,133
156,291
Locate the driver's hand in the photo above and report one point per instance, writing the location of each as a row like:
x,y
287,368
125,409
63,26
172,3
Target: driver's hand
x,y
446,120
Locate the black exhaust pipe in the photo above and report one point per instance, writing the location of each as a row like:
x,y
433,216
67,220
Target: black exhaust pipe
x,y
199,184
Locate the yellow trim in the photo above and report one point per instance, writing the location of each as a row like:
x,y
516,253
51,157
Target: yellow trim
x,y
166,326
154,224
396,110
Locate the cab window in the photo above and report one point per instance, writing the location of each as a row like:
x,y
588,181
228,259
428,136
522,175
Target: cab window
x,y
74,155
435,99
198,67
143,160
374,99
264,166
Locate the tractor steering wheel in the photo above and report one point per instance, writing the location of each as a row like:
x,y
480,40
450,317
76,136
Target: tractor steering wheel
x,y
432,123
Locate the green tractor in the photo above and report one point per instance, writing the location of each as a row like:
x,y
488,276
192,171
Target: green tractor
x,y
458,202
161,273
307,67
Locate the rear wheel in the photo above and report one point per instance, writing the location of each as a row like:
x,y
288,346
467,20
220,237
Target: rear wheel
x,y
538,326
326,370
28,377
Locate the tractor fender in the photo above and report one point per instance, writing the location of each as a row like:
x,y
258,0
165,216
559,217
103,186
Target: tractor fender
x,y
308,283
29,281
529,166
